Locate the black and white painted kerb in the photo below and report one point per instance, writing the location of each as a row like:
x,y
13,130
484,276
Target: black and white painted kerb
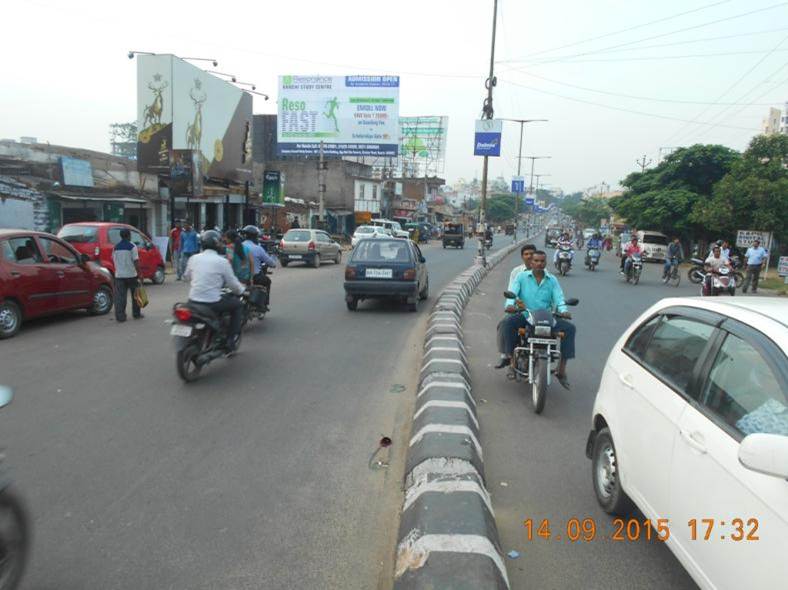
x,y
447,534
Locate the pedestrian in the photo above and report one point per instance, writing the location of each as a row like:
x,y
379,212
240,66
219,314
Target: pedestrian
x,y
189,246
128,276
175,244
756,260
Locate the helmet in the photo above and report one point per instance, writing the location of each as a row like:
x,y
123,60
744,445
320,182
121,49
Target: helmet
x,y
251,232
211,240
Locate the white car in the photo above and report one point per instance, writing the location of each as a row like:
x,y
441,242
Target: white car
x,y
393,226
588,233
691,424
367,231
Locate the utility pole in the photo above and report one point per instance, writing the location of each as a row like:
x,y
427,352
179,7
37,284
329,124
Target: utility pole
x,y
643,163
487,110
321,187
538,176
533,159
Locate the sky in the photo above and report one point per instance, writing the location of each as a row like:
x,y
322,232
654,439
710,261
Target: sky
x,y
617,80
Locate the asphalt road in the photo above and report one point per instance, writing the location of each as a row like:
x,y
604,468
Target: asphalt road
x,y
256,476
535,465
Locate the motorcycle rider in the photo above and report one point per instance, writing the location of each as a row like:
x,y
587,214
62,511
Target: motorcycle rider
x,y
488,235
712,265
259,258
208,273
564,241
675,252
632,248
526,253
538,289
594,243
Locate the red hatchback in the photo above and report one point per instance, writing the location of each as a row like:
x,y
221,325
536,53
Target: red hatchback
x,y
42,275
98,239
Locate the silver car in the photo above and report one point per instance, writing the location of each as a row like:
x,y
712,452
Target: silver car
x,y
311,246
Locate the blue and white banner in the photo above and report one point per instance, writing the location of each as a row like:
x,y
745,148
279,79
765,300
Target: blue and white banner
x,y
487,139
518,184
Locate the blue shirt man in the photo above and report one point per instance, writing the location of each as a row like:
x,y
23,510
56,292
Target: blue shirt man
x,y
259,256
544,294
594,244
756,257
189,246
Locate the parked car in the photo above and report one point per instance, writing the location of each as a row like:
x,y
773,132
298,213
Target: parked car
x,y
367,231
310,246
42,275
386,268
691,425
393,226
98,240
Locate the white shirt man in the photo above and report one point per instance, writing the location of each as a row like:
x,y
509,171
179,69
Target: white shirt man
x,y
209,273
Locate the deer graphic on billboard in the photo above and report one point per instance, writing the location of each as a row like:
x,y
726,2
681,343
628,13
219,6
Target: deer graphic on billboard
x,y
194,130
154,110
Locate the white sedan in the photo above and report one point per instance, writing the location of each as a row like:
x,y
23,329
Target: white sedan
x,y
367,231
691,424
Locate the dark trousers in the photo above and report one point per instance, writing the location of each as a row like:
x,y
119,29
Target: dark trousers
x,y
232,305
516,321
500,338
122,288
262,279
753,276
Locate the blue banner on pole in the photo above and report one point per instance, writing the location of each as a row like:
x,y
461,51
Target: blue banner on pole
x,y
487,139
518,184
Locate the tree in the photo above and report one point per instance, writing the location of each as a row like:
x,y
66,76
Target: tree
x,y
123,139
754,194
499,185
500,208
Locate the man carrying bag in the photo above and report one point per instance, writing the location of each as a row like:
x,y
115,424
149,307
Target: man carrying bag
x,y
128,276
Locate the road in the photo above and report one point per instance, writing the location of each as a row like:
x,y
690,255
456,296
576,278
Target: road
x,y
256,476
536,465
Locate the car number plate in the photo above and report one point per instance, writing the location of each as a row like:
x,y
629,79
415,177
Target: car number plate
x,y
379,273
295,256
543,340
181,330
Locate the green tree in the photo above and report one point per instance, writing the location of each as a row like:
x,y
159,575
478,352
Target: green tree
x,y
500,208
499,185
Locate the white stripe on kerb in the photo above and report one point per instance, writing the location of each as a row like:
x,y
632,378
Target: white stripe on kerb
x,y
448,429
450,466
414,550
446,487
437,403
445,349
451,337
441,360
453,384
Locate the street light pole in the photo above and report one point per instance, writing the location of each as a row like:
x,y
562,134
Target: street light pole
x,y
522,123
487,109
533,159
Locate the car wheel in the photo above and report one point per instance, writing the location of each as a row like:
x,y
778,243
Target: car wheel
x,y
284,262
338,259
10,319
159,276
606,473
425,292
102,301
352,304
316,261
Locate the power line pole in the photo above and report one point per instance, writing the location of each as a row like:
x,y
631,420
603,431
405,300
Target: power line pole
x,y
643,163
522,123
487,110
533,159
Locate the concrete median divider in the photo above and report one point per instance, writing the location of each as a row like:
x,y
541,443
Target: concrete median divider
x,y
447,536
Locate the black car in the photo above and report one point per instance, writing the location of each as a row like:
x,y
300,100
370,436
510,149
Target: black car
x,y
386,268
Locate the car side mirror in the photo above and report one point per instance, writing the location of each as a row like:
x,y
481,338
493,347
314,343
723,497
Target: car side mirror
x,y
572,301
765,453
509,295
84,258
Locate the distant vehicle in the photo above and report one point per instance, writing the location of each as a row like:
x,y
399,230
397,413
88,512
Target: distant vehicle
x,y
691,417
654,244
509,229
551,236
386,268
454,235
98,240
588,233
310,246
367,231
393,226
421,231
43,275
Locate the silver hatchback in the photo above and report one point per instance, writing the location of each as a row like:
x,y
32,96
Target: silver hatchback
x,y
311,246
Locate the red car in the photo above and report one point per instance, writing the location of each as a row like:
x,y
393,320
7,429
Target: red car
x,y
98,239
42,275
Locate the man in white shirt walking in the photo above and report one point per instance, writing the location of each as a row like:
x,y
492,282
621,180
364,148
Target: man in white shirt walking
x,y
128,276
756,259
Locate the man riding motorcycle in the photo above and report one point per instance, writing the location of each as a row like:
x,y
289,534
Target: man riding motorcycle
x,y
565,241
712,265
526,253
259,257
538,289
208,273
632,248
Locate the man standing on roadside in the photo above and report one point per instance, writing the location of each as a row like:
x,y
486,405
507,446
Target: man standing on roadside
x,y
175,244
189,246
756,259
526,253
126,258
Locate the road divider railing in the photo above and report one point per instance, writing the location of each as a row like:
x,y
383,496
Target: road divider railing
x,y
447,534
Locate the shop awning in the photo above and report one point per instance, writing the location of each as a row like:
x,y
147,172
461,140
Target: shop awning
x,y
104,198
339,212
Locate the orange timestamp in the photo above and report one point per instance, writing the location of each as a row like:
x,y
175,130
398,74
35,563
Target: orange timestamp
x,y
634,529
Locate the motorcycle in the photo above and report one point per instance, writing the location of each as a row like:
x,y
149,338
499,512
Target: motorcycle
x,y
200,337
696,273
538,352
15,531
722,281
635,269
592,258
564,261
488,242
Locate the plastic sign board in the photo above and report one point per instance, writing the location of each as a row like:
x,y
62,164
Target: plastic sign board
x,y
529,200
273,188
76,172
782,268
745,238
349,115
487,139
518,184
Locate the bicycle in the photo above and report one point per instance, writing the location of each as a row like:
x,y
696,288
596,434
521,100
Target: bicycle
x,y
672,276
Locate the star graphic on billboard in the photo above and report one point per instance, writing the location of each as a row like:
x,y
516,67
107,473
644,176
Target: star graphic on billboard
x,y
157,77
197,83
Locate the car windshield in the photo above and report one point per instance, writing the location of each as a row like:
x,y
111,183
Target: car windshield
x,y
298,235
652,239
381,251
78,234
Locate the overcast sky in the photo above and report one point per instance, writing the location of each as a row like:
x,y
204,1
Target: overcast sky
x,y
66,75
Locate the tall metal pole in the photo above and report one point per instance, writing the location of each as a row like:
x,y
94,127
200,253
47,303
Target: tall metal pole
x,y
519,162
488,114
321,186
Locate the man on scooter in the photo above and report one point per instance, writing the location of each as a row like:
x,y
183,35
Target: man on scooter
x,y
594,243
538,289
565,241
712,265
632,248
526,252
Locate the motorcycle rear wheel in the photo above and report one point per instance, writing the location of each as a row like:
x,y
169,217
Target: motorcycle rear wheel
x,y
185,362
636,278
14,539
695,275
539,385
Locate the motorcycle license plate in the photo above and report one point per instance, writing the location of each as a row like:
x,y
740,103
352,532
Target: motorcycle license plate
x,y
181,330
552,341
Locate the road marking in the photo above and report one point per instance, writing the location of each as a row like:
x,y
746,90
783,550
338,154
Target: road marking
x,y
453,384
437,403
414,550
446,487
448,429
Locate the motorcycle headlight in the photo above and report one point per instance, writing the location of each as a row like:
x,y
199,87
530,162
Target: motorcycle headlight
x,y
543,331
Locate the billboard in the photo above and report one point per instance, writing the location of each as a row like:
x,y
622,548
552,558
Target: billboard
x,y
273,188
181,107
350,115
76,172
487,139
423,144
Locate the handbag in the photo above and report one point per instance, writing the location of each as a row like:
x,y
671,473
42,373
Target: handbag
x,y
141,296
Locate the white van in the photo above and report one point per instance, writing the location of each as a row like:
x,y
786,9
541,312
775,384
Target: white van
x,y
393,226
654,244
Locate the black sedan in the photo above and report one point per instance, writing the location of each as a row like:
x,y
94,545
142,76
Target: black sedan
x,y
386,268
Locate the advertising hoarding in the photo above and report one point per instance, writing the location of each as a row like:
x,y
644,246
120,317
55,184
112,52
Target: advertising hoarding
x,y
181,107
76,172
782,267
273,188
423,144
487,139
350,115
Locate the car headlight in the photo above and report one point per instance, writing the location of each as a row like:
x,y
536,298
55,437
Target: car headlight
x,y
543,331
